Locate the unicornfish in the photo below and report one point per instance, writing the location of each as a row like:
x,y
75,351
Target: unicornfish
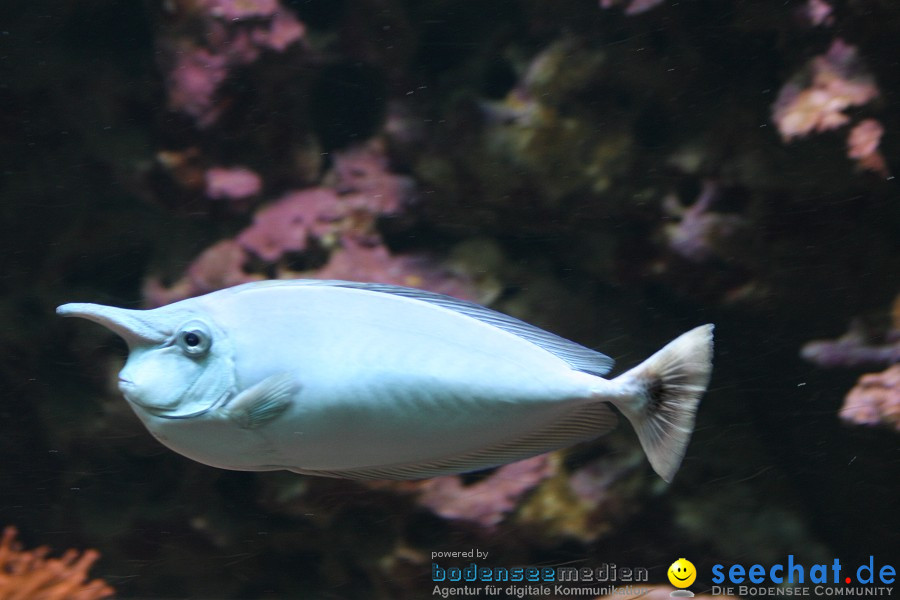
x,y
372,381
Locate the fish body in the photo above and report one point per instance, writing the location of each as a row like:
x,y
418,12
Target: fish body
x,y
357,380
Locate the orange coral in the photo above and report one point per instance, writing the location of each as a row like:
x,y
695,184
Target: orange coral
x,y
30,575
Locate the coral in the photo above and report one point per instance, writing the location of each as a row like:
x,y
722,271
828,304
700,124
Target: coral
x,y
875,400
235,32
321,232
700,231
633,7
219,266
490,500
232,184
30,575
814,100
283,31
236,10
364,170
817,12
287,224
193,81
540,495
546,133
869,342
864,345
862,145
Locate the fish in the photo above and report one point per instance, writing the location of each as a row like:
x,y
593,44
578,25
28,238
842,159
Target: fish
x,y
373,381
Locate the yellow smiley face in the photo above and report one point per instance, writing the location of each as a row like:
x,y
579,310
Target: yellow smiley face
x,y
682,573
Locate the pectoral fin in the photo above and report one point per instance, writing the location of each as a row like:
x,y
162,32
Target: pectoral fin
x,y
263,402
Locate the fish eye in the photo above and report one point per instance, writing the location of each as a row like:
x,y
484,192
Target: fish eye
x,y
194,339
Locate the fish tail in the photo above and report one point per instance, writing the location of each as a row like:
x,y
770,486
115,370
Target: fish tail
x,y
660,397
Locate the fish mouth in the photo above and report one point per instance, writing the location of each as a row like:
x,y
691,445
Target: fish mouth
x,y
164,413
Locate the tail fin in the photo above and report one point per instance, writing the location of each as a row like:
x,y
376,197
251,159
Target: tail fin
x,y
663,394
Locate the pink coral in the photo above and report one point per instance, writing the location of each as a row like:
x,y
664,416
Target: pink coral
x,y
287,224
234,33
817,12
863,345
488,501
875,400
862,145
232,184
364,170
334,225
634,7
814,99
358,261
193,82
698,234
220,266
283,31
235,10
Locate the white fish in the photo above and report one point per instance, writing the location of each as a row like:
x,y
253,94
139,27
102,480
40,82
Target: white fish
x,y
359,380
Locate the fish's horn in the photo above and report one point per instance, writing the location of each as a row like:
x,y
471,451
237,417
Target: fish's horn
x,y
130,325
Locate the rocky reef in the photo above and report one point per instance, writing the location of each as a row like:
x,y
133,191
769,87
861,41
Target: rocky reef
x,y
615,171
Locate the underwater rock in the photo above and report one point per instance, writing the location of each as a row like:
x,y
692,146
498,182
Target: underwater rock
x,y
591,501
875,400
29,574
183,167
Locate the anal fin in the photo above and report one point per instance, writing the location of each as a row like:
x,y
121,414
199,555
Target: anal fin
x,y
586,422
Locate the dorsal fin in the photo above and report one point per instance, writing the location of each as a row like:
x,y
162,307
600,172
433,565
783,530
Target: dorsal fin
x,y
577,356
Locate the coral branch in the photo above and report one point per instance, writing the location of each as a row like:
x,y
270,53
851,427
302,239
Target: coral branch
x,y
29,574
